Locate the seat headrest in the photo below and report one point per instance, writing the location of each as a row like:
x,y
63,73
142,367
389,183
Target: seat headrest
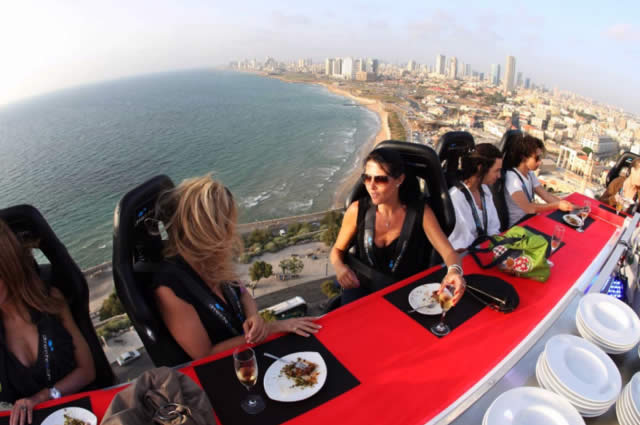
x,y
507,138
454,144
623,162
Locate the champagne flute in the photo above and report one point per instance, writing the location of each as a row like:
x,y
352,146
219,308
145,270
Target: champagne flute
x,y
619,204
556,238
246,366
446,302
584,214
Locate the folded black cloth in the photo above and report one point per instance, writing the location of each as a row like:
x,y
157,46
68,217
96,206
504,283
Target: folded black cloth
x,y
557,216
39,415
225,392
547,237
612,210
470,303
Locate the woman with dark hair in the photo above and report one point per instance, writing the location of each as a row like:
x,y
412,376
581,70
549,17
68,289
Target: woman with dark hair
x,y
623,191
43,354
393,229
201,225
476,213
521,184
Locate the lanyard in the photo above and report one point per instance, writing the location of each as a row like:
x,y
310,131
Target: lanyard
x,y
524,186
474,209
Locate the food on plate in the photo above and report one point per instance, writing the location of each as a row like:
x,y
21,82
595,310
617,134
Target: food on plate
x,y
572,220
301,377
68,420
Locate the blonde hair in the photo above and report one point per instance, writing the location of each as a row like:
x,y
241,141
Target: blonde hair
x,y
202,227
17,271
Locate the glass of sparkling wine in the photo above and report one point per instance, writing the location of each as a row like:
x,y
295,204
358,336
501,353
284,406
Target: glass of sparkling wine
x,y
585,211
246,366
446,302
556,238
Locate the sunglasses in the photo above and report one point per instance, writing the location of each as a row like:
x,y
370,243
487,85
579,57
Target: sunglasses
x,y
378,179
538,158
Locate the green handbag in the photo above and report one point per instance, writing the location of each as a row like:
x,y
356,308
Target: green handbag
x,y
518,252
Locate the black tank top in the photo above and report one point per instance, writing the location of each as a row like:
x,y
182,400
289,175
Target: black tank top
x,y
55,360
416,257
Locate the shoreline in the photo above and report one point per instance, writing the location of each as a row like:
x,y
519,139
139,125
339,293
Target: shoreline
x,y
384,132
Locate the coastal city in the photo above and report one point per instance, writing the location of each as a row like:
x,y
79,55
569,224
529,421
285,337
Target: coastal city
x,y
421,102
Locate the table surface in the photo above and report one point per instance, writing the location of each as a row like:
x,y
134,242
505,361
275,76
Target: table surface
x,y
406,374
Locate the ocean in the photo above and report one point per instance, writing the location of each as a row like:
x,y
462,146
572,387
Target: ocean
x,y
281,148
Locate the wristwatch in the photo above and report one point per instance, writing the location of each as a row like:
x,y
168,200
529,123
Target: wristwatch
x,y
54,393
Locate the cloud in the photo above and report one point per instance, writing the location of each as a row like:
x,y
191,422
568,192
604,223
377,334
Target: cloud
x,y
623,32
284,20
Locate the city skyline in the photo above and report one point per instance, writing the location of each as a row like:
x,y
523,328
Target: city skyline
x,y
51,45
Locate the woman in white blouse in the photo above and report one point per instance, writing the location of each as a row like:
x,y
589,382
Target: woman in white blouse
x,y
475,211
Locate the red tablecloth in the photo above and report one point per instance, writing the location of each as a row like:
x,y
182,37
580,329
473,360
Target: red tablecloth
x,y
408,375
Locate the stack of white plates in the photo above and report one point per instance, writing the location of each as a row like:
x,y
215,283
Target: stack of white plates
x,y
581,372
628,405
608,322
531,406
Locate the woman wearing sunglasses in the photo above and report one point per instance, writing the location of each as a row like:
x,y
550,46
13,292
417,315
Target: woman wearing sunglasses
x,y
521,184
392,228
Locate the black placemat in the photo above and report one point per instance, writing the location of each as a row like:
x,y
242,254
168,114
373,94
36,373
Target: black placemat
x,y
39,415
466,308
225,392
611,210
547,237
557,216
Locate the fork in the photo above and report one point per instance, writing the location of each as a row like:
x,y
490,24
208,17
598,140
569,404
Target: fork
x,y
296,364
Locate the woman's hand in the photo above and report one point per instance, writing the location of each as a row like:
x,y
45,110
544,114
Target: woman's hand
x,y
255,329
303,326
565,206
455,279
22,412
347,278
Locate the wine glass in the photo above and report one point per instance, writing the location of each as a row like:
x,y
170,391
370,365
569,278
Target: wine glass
x,y
619,204
246,366
556,238
584,214
446,302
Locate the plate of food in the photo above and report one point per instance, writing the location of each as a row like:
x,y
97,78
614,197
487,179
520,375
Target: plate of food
x,y
286,382
71,416
572,220
424,299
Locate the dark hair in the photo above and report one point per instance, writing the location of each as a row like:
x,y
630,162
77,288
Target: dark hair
x,y
521,148
480,160
635,163
393,164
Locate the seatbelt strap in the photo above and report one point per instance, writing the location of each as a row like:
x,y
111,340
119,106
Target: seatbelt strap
x,y
480,229
524,186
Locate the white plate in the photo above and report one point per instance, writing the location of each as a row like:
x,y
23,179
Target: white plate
x,y
589,335
583,368
57,417
421,295
531,406
611,319
280,388
627,405
634,393
567,217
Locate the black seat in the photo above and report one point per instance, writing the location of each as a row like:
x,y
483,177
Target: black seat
x,y
624,162
453,146
137,248
63,273
423,162
498,188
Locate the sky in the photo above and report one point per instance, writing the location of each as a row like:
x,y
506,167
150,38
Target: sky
x,y
591,48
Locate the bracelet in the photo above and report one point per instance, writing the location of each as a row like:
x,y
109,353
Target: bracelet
x,y
455,267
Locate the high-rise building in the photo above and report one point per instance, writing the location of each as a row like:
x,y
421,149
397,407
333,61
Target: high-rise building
x,y
440,60
328,66
527,83
510,74
372,66
519,79
453,68
411,66
495,74
467,70
348,70
337,66
361,65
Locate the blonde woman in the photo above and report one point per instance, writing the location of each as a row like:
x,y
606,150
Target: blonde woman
x,y
202,242
43,354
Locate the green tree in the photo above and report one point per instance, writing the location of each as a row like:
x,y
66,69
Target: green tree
x,y
111,307
284,266
587,150
295,266
259,270
260,236
329,288
333,221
